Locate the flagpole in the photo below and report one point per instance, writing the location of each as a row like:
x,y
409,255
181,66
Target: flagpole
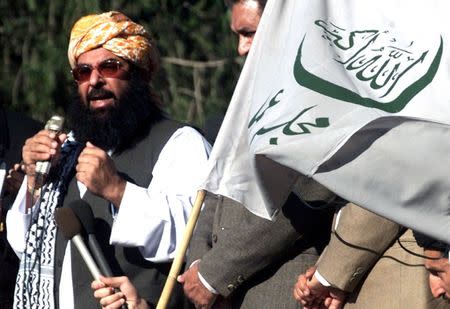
x,y
181,251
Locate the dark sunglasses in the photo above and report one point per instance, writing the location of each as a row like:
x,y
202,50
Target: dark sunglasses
x,y
108,68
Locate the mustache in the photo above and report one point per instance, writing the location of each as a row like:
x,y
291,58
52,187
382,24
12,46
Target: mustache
x,y
99,93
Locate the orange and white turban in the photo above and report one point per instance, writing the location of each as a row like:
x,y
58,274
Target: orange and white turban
x,y
114,32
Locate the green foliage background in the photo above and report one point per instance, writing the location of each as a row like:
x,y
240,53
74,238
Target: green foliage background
x,y
199,66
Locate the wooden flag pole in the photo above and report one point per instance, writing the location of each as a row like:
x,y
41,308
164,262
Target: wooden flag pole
x,y
181,252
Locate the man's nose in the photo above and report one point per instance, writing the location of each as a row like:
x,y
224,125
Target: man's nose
x,y
244,45
96,78
436,286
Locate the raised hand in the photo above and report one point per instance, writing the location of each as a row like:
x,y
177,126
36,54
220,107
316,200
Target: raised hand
x,y
97,172
43,146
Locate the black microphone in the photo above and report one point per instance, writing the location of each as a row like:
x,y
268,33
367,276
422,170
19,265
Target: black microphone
x,y
54,124
71,228
84,213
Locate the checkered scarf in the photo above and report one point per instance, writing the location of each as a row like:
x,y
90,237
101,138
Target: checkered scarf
x,y
35,283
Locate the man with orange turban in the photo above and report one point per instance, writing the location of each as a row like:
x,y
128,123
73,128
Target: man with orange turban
x,y
116,33
137,170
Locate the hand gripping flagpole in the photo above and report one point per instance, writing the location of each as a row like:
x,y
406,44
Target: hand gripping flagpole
x,y
181,251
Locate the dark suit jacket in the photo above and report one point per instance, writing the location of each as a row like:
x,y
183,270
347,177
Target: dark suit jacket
x,y
252,261
15,128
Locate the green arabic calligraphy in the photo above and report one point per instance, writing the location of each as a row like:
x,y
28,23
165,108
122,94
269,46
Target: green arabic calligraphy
x,y
369,67
260,113
291,127
339,40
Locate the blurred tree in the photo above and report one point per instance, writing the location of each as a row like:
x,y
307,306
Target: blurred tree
x,y
198,72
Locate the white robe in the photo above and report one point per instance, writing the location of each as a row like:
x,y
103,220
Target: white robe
x,y
152,219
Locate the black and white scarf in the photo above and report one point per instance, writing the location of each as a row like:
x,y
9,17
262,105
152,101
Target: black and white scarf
x,y
35,283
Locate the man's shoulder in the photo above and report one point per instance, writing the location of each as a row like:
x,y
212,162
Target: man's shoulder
x,y
170,140
179,133
170,127
167,124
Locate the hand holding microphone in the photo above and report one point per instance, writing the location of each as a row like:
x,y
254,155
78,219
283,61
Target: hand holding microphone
x,y
54,125
128,293
72,220
39,150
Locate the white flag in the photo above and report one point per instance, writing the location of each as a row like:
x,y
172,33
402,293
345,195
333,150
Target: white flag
x,y
356,95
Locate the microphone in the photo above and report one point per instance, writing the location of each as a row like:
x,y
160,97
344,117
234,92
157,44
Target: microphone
x,y
54,124
84,214
70,226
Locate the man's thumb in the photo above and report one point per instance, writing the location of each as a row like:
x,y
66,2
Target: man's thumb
x,y
180,278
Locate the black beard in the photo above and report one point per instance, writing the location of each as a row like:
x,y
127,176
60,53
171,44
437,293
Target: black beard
x,y
119,125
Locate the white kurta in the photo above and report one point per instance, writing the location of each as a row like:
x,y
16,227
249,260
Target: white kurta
x,y
152,218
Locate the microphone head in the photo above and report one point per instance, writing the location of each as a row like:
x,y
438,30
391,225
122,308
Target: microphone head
x,y
55,123
84,213
68,222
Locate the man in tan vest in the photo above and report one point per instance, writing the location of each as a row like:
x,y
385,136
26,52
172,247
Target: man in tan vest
x,y
370,262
